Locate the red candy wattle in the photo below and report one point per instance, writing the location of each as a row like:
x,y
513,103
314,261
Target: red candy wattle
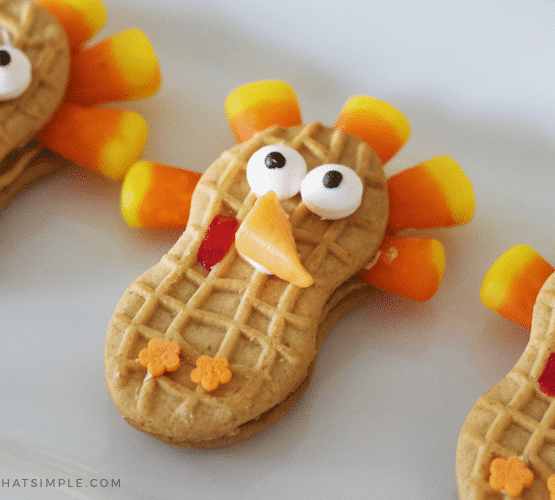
x,y
547,378
217,241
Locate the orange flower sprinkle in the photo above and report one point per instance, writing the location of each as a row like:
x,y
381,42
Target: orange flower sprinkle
x,y
160,356
211,372
551,486
510,475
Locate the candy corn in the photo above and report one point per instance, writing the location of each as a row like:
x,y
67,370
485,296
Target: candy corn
x,y
410,267
118,68
157,195
103,140
435,193
255,106
265,236
81,19
512,283
379,124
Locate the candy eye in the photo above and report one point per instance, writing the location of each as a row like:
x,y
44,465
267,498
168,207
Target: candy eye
x,y
15,72
276,168
332,191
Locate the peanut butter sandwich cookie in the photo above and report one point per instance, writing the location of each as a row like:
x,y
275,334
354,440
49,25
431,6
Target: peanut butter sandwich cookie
x,y
506,448
50,83
285,233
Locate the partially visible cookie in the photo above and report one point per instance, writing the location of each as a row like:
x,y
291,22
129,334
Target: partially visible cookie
x,y
507,443
33,30
24,167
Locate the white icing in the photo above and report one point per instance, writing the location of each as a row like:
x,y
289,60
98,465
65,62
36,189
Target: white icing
x,y
15,73
374,260
255,264
285,181
332,202
392,254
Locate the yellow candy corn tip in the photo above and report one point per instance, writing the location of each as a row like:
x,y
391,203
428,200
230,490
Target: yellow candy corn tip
x,y
125,148
136,183
456,187
137,62
501,274
251,94
93,12
370,105
438,258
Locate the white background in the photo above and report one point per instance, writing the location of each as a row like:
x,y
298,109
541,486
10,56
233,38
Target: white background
x,y
395,379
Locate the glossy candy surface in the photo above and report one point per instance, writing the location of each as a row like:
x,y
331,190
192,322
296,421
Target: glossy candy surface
x,y
157,195
121,67
512,283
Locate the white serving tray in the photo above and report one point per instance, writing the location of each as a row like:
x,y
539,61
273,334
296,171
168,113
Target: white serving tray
x,y
395,379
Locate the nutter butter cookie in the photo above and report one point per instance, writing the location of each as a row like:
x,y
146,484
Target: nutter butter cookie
x,y
50,84
507,442
285,232
34,70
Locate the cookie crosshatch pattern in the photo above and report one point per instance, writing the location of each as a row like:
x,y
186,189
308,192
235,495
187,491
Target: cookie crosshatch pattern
x,y
56,120
35,31
267,304
263,325
516,417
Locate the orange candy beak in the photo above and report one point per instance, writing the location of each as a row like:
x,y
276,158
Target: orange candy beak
x,y
265,236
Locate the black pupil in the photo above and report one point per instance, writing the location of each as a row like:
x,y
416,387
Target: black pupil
x,y
274,160
5,58
332,179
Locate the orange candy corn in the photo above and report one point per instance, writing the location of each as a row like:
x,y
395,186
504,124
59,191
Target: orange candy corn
x,y
377,123
255,106
410,267
512,283
156,195
103,140
265,237
118,68
81,19
435,193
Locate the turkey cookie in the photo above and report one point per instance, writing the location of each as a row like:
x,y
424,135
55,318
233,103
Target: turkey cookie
x,y
50,83
285,233
507,442
34,69
26,166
